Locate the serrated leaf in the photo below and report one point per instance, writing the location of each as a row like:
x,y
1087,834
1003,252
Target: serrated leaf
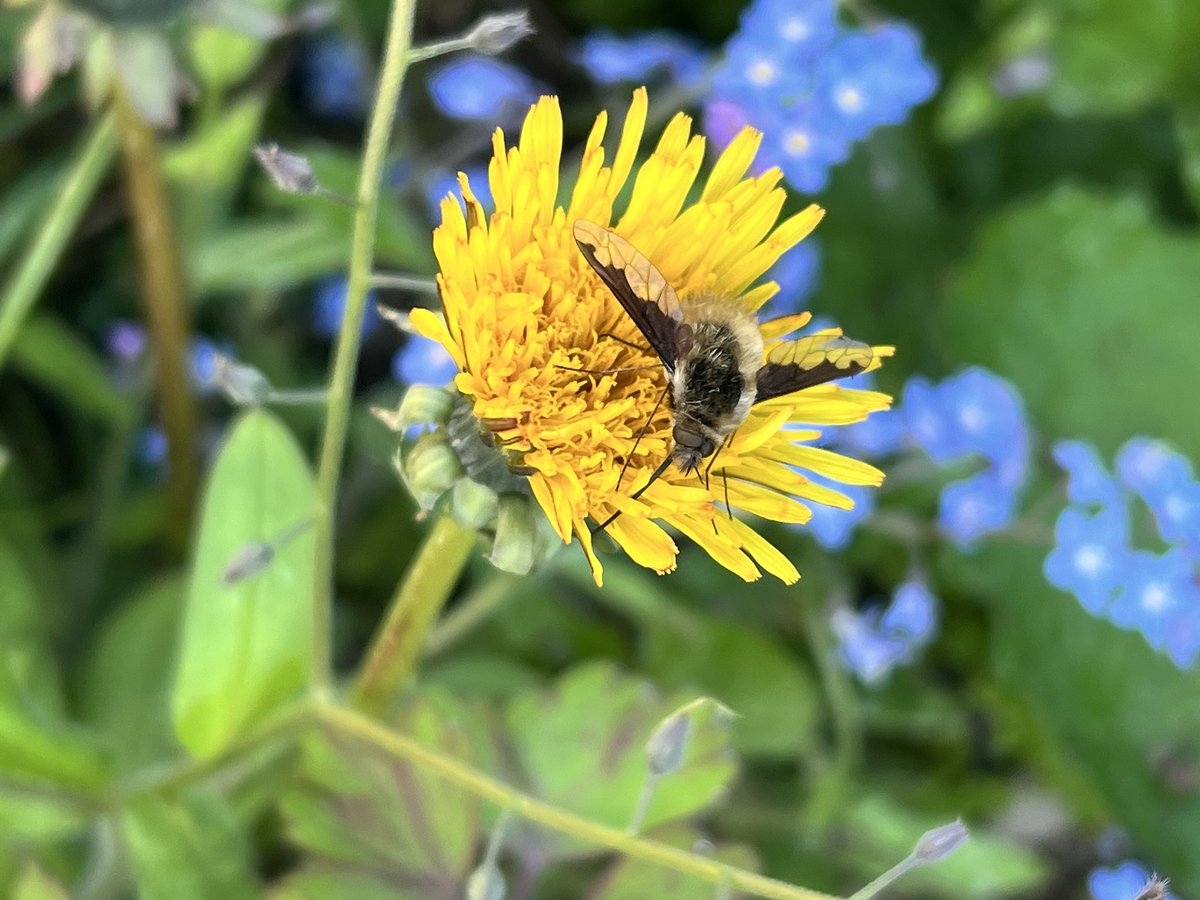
x,y
245,647
189,846
124,684
55,357
733,663
635,879
1072,280
582,745
384,823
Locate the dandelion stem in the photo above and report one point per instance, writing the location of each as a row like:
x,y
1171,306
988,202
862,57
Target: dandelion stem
x,y
471,611
709,870
34,270
167,311
424,590
345,360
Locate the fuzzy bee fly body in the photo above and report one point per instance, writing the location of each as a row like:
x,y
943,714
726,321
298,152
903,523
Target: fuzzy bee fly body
x,y
711,348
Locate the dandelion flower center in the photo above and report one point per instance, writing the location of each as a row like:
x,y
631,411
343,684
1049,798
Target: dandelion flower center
x,y
569,386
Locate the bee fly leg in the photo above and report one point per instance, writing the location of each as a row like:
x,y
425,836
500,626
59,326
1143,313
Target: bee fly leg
x,y
621,340
610,371
638,440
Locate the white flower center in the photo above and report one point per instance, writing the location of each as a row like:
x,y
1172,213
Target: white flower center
x,y
972,418
797,143
1090,560
795,29
762,72
849,98
1155,597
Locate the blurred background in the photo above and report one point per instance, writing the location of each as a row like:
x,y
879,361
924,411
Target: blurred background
x,y
1007,631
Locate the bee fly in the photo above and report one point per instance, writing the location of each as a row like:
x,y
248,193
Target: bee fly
x,y
712,350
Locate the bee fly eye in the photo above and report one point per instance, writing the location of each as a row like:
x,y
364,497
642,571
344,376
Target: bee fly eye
x,y
684,339
685,437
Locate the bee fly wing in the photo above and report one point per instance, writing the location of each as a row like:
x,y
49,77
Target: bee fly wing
x,y
639,287
812,360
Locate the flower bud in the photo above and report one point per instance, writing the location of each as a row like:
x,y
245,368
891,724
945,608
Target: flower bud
x,y
666,746
291,173
429,469
938,843
242,384
496,33
423,404
486,883
515,547
474,505
247,562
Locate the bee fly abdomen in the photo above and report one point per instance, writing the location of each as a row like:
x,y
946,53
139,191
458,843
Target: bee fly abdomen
x,y
712,382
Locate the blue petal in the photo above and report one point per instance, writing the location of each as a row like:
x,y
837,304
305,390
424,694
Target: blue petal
x,y
974,507
912,613
1088,481
479,87
334,78
423,361
609,58
1121,883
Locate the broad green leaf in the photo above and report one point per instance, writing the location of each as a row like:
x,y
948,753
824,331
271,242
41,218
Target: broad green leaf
x,y
55,357
1072,295
35,884
267,255
582,743
634,879
986,867
1115,710
245,647
732,663
1187,130
188,846
381,821
124,684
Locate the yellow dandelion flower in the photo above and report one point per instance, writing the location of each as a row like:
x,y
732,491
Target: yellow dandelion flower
x,y
549,359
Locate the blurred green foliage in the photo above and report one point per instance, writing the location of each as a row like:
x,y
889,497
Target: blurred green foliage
x,y
1049,234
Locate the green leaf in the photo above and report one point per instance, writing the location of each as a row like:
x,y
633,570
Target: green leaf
x,y
383,823
206,168
1075,289
246,647
266,255
123,686
222,57
54,356
35,742
1187,130
633,879
1117,711
190,846
582,745
732,663
986,867
24,202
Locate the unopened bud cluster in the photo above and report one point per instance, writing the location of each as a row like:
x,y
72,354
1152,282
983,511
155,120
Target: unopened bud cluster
x,y
448,460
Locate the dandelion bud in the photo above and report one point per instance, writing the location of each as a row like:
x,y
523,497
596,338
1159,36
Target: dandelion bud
x,y
430,469
486,883
666,746
938,843
247,562
496,33
423,405
291,173
516,544
474,505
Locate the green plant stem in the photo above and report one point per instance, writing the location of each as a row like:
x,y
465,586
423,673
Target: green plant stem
x,y
345,359
472,610
439,48
710,870
168,314
34,270
424,590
